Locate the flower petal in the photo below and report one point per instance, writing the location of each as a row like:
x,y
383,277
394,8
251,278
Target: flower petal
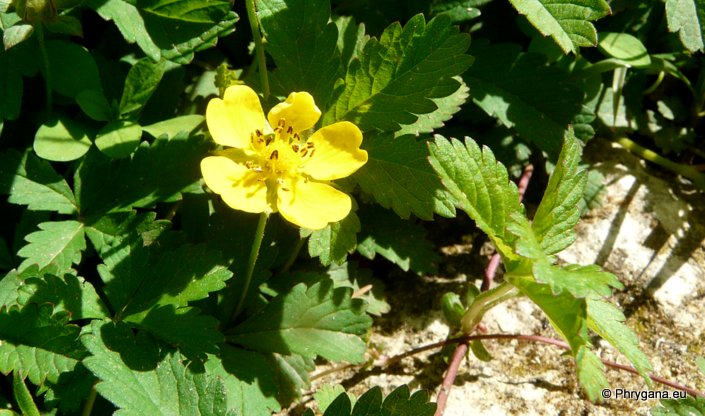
x,y
337,152
311,204
239,187
299,111
232,119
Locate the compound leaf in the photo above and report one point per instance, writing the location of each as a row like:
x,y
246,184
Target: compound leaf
x,y
396,78
333,243
318,320
567,22
685,17
130,23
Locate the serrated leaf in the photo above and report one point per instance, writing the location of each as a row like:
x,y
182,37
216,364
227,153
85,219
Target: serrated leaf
x,y
340,406
690,406
480,186
250,380
22,396
351,38
168,388
311,321
398,176
608,322
333,243
567,22
145,179
33,182
37,344
193,333
142,79
591,373
349,275
68,293
61,140
162,273
446,107
128,20
685,17
326,394
580,281
520,90
119,139
174,126
402,242
314,66
559,210
399,403
396,78
197,11
57,243
66,25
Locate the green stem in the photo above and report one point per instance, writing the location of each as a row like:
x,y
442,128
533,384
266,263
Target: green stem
x,y
685,170
656,84
259,46
484,302
39,30
90,401
294,255
254,253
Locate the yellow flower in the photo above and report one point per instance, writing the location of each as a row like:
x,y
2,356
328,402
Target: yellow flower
x,y
270,169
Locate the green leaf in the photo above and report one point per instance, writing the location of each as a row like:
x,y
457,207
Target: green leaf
x,y
447,106
68,293
480,186
399,176
16,34
66,25
402,242
156,172
314,66
187,124
311,321
340,406
39,345
608,322
351,38
326,394
169,388
164,272
685,17
142,79
517,88
129,21
119,139
625,47
690,406
567,22
33,182
349,275
61,140
57,243
559,210
73,69
196,11
333,243
95,105
591,373
396,78
194,334
22,396
250,380
400,403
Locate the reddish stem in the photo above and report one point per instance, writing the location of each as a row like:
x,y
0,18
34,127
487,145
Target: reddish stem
x,y
490,271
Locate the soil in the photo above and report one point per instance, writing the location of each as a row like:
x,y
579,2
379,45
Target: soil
x,y
649,231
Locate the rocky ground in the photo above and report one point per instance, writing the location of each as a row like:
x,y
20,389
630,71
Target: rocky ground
x,y
649,231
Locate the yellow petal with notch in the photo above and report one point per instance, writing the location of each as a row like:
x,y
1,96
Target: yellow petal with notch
x,y
299,111
311,204
240,187
232,119
336,152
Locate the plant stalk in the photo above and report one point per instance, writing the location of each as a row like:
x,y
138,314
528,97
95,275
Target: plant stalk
x,y
259,46
687,171
484,302
254,253
90,401
39,30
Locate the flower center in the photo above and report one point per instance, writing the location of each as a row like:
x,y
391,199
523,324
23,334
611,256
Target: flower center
x,y
280,154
